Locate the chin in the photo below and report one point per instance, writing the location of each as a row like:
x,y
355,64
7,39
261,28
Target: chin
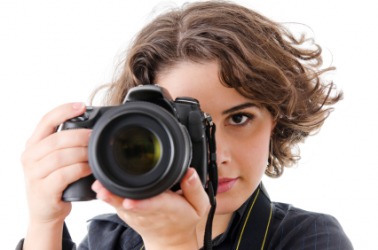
x,y
229,203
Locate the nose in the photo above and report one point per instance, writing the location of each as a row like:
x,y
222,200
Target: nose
x,y
223,148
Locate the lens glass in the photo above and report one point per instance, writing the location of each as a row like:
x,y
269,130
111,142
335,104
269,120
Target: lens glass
x,y
136,150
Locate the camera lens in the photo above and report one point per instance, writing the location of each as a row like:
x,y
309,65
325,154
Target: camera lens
x,y
136,150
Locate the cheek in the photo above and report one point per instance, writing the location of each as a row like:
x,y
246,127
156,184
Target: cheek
x,y
254,154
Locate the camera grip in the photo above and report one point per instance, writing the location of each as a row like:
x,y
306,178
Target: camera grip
x,y
80,190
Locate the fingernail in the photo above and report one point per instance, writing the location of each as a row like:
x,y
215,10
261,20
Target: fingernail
x,y
128,204
103,197
192,178
95,186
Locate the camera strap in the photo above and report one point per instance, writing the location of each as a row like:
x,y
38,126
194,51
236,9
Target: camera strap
x,y
256,221
212,184
259,210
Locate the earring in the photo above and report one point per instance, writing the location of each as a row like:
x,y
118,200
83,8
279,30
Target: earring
x,y
270,169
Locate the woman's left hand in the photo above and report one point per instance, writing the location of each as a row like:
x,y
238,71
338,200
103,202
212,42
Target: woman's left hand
x,y
168,220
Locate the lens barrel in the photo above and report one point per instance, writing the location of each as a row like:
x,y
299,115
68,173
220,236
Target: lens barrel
x,y
138,150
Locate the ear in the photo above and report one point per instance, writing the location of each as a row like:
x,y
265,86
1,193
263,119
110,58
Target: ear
x,y
274,123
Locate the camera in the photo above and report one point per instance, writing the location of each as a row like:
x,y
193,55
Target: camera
x,y
144,146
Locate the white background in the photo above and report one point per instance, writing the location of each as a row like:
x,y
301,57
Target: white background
x,y
53,52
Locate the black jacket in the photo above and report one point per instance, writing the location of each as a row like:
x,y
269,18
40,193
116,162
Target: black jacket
x,y
284,227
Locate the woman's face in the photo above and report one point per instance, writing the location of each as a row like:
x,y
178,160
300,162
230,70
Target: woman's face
x,y
242,134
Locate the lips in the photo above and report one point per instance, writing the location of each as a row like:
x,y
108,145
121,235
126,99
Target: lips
x,y
226,184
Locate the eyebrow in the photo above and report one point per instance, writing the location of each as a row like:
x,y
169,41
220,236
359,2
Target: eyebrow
x,y
239,107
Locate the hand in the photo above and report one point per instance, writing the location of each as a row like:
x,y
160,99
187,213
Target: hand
x,y
168,220
51,161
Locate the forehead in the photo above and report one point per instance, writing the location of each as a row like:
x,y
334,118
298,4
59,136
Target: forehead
x,y
200,81
192,79
188,77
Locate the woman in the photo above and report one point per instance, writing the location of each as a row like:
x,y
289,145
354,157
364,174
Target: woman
x,y
263,90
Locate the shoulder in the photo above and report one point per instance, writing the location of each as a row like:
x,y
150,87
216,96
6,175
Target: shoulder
x,y
303,229
107,222
290,215
110,232
108,218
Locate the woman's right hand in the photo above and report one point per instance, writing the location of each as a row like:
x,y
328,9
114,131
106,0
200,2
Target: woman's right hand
x,y
51,161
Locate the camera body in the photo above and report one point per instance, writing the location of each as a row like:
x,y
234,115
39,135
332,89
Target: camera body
x,y
142,147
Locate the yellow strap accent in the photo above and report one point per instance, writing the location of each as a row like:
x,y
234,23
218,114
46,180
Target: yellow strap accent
x,y
245,221
267,227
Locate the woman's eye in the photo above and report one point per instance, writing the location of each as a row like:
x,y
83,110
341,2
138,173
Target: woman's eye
x,y
239,119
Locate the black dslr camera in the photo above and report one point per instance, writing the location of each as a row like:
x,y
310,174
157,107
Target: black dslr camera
x,y
143,146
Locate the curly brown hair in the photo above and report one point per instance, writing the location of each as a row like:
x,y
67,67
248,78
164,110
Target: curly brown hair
x,y
258,57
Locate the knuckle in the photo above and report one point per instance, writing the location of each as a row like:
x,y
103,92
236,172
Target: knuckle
x,y
56,159
56,141
84,153
51,142
82,168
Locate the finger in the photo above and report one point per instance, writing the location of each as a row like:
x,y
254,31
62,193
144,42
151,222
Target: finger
x,y
105,195
61,140
61,178
194,192
126,203
146,206
59,159
53,119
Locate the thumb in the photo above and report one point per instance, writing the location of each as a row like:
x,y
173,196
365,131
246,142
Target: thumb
x,y
194,192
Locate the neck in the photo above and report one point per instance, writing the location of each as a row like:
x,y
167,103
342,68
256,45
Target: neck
x,y
220,224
